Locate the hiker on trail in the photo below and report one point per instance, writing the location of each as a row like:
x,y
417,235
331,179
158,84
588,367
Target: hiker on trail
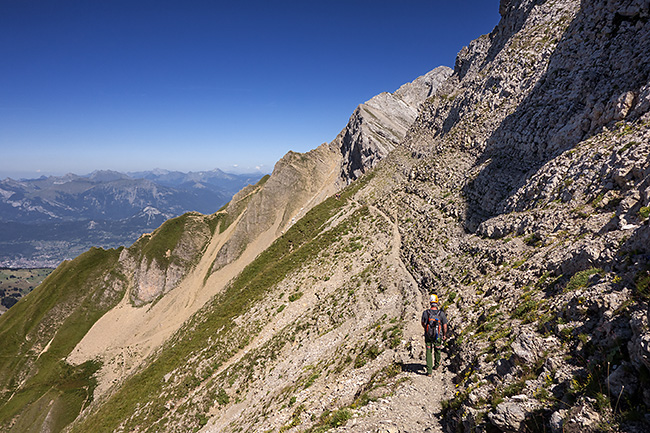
x,y
434,322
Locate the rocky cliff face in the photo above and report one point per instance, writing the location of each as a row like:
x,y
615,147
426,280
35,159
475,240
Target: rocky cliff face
x,y
528,210
519,195
380,124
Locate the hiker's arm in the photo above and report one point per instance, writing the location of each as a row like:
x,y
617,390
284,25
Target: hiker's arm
x,y
444,331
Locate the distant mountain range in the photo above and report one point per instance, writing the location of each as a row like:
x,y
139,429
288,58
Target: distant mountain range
x,y
49,219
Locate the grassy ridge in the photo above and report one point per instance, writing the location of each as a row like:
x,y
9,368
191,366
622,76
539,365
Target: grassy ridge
x,y
60,312
163,239
16,283
303,240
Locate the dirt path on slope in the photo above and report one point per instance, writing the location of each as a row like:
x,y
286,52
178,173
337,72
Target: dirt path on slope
x,y
415,406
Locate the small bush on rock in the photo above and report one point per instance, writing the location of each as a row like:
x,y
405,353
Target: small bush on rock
x,y
580,279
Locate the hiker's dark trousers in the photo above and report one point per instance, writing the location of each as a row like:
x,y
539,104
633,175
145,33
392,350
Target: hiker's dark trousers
x,y
435,349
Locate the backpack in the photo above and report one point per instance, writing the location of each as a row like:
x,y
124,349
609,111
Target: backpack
x,y
434,325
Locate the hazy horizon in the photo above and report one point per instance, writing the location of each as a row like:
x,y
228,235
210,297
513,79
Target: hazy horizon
x,y
228,170
130,85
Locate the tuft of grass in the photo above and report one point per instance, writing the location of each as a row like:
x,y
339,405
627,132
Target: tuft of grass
x,y
222,397
330,420
311,379
393,336
580,279
453,404
642,284
644,212
369,352
534,240
295,419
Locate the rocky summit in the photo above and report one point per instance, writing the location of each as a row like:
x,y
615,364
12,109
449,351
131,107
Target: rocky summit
x,y
516,187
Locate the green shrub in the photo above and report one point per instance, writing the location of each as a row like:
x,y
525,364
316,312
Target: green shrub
x,y
526,309
454,404
580,279
533,240
222,397
644,212
368,353
339,418
295,296
393,336
295,419
311,379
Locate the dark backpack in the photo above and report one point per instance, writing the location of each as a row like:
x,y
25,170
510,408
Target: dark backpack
x,y
433,328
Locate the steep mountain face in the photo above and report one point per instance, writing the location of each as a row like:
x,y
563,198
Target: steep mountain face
x,y
50,219
172,273
520,201
379,125
527,209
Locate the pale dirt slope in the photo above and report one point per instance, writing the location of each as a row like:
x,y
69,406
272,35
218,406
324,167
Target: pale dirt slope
x,y
126,335
414,405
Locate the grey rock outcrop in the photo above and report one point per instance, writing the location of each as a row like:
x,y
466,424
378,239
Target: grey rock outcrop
x,y
380,124
154,265
509,416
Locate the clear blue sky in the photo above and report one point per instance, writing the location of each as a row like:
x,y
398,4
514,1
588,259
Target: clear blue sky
x,y
194,85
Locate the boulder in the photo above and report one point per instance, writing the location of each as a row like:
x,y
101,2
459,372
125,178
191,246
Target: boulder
x,y
639,345
557,421
582,418
527,347
508,416
623,381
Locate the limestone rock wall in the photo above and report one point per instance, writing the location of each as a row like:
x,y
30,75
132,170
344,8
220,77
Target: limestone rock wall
x,y
525,206
379,125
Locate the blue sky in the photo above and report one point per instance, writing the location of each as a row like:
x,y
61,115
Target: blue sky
x,y
196,85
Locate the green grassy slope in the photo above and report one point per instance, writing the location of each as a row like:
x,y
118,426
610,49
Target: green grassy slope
x,y
16,283
55,316
124,410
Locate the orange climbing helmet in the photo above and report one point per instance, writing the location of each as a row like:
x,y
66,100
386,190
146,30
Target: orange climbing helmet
x,y
433,299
